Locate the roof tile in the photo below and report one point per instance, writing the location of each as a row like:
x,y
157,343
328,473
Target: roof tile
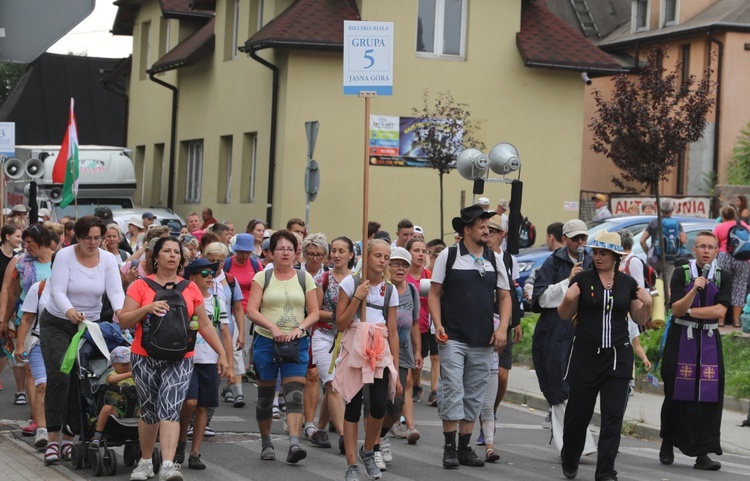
x,y
189,51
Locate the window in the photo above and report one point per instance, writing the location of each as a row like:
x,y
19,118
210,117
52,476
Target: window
x,y
640,15
231,29
157,174
194,172
139,165
441,28
249,161
224,187
164,34
670,12
145,50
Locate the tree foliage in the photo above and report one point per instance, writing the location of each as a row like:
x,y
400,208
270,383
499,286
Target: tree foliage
x,y
739,167
10,74
444,129
649,121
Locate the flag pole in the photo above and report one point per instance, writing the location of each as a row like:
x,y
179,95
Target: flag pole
x,y
75,193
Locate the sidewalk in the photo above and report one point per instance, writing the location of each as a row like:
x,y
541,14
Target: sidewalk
x,y
21,462
643,414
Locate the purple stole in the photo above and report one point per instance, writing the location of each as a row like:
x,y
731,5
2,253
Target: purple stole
x,y
698,356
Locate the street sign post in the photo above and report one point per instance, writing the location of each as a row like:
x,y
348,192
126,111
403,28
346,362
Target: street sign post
x,y
312,171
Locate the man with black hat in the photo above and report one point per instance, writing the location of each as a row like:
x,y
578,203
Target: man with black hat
x,y
467,289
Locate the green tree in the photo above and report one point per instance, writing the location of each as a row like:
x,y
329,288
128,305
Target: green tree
x,y
10,74
648,122
739,167
444,130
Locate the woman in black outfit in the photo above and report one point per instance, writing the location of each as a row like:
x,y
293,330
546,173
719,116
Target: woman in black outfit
x,y
601,358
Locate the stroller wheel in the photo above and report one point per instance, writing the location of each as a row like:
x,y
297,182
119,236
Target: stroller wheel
x,y
77,455
97,465
129,455
110,462
156,460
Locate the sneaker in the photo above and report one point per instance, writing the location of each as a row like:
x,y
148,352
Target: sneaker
x,y
194,462
480,438
416,394
320,439
412,436
143,471
227,395
432,399
352,473
276,412
268,454
450,457
29,430
385,450
398,431
95,444
371,469
209,432
239,401
179,454
467,457
295,454
20,399
547,424
170,472
379,461
41,439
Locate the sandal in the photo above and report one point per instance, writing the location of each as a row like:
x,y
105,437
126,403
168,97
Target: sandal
x,y
721,323
737,324
52,454
491,456
66,450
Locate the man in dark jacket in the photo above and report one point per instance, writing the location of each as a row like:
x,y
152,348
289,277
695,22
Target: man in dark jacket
x,y
553,336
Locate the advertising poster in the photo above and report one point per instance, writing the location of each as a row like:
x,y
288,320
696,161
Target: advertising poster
x,y
393,141
683,206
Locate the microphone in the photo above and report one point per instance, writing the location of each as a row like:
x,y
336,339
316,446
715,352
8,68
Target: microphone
x,y
581,253
704,274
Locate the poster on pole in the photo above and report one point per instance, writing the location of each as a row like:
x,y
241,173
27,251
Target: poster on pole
x,y
368,57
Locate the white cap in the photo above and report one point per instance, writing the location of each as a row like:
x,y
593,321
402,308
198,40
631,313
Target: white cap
x,y
400,253
45,213
418,230
484,201
136,222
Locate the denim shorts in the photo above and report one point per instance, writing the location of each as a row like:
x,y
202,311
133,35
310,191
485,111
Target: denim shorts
x,y
265,367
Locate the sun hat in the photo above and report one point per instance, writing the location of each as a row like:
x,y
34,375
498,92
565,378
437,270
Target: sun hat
x,y
574,227
244,243
120,355
20,208
136,222
400,253
609,241
468,215
198,265
498,222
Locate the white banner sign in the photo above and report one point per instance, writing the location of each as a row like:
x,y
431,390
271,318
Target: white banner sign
x,y
8,139
368,57
683,206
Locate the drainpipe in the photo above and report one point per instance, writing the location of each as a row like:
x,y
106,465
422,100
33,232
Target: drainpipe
x,y
719,69
172,137
274,116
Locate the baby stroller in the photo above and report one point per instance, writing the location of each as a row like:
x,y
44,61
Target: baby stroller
x,y
93,368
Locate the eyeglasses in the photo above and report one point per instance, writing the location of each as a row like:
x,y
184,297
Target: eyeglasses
x,y
579,238
706,247
88,238
285,249
205,273
399,265
314,255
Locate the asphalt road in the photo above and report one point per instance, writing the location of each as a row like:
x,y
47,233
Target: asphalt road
x,y
234,454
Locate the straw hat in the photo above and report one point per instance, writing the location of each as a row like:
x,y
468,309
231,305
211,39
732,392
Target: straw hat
x,y
609,241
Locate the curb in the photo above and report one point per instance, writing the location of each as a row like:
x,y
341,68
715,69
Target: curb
x,y
62,471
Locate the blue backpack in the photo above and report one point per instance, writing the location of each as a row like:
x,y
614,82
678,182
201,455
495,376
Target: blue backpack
x,y
671,233
738,242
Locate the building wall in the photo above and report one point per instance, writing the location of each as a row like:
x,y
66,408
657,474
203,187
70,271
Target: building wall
x,y
539,111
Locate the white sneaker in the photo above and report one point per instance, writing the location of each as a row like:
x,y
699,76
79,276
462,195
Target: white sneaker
x,y
385,449
398,431
41,439
379,462
170,472
143,471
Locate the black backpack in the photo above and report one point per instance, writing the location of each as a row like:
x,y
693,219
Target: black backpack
x,y
168,337
526,234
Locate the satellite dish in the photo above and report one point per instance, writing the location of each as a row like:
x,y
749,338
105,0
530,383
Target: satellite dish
x,y
472,164
504,159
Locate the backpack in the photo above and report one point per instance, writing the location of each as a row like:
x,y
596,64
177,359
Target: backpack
x,y
649,274
453,252
231,282
254,262
526,234
516,312
300,277
738,242
386,298
671,236
168,337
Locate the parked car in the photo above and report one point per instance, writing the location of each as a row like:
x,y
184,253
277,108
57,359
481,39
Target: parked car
x,y
690,228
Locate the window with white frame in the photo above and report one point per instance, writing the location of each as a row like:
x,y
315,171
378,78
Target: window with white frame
x,y
669,14
441,28
640,15
249,161
225,169
194,172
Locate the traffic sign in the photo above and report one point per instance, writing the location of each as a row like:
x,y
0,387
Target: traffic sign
x,y
368,58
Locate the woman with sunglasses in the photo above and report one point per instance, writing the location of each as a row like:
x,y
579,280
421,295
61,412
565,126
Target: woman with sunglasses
x,y
162,385
277,305
81,275
601,358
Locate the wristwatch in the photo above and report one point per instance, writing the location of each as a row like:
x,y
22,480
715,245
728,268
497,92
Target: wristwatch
x,y
688,311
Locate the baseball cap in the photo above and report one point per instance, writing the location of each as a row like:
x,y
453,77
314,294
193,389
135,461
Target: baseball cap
x,y
120,355
104,213
503,203
418,230
483,201
381,234
400,253
136,222
600,197
148,215
575,227
174,228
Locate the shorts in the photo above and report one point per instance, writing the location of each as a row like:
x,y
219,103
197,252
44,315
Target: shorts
x,y
203,385
505,360
36,363
464,371
237,355
429,345
322,342
162,386
265,367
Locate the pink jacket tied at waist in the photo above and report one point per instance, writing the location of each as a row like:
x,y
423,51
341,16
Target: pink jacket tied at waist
x,y
364,355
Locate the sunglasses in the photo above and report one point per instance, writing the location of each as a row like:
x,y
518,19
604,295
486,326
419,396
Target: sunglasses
x,y
204,273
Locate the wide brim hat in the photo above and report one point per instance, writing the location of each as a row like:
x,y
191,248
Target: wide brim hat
x,y
136,222
609,241
244,243
468,215
20,208
198,265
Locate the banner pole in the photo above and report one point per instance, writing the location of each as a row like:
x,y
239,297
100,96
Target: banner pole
x,y
365,199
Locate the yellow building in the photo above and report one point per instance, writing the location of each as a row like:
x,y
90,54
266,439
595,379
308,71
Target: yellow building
x,y
215,71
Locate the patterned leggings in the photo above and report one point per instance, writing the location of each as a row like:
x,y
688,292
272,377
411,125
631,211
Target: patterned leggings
x,y
62,401
162,386
739,272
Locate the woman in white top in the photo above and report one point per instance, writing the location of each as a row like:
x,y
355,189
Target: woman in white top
x,y
82,273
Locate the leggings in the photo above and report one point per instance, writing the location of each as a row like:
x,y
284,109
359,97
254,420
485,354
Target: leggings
x,y
62,400
378,400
